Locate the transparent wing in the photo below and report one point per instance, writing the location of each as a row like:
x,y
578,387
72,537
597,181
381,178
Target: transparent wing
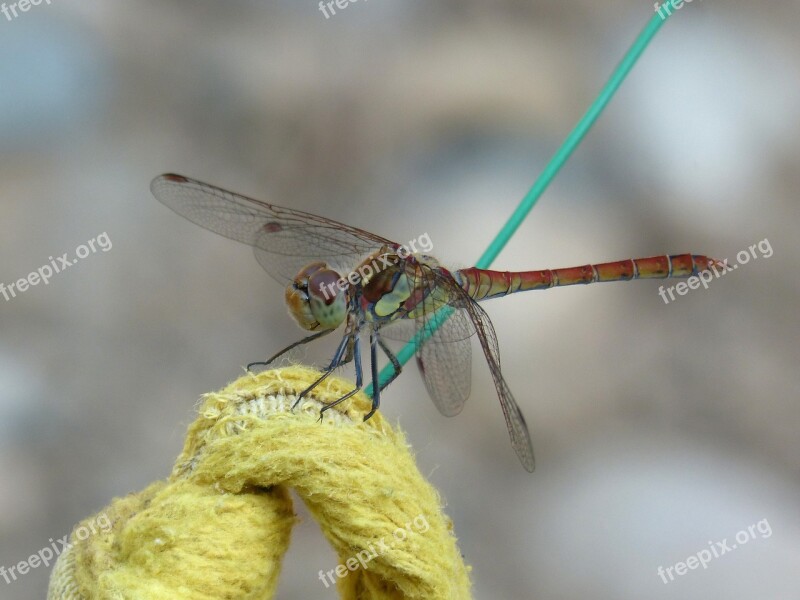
x,y
444,357
466,309
517,428
446,353
285,240
445,362
425,278
404,330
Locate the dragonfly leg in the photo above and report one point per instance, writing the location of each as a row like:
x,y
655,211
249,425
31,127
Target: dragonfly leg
x,y
349,353
374,340
395,363
356,355
337,360
305,340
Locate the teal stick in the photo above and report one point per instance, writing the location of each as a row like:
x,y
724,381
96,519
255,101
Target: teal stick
x,y
543,181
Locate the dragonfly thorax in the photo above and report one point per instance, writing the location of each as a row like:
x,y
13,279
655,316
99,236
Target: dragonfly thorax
x,y
316,299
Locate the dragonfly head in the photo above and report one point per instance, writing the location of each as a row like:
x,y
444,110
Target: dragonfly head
x,y
316,298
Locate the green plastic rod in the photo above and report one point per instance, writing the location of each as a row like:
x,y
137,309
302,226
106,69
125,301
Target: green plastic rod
x,y
543,181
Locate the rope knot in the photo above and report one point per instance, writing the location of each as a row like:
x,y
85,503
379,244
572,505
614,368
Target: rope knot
x,y
220,525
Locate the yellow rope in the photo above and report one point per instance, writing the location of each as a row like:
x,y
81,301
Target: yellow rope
x,y
219,526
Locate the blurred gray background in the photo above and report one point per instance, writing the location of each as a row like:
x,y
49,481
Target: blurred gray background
x,y
657,427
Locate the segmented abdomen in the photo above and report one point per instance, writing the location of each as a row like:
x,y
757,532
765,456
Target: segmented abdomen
x,y
481,284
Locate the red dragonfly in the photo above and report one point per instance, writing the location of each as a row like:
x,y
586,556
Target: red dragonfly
x,y
337,275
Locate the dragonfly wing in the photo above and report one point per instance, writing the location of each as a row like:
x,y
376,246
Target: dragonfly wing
x,y
437,286
401,330
285,240
444,356
423,277
445,362
517,428
404,330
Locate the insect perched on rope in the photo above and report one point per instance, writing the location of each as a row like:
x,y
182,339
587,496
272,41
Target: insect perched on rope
x,y
339,275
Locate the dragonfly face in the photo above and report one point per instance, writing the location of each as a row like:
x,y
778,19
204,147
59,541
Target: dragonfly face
x,y
316,299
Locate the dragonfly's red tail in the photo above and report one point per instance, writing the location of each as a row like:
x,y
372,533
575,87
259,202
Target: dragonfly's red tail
x,y
481,284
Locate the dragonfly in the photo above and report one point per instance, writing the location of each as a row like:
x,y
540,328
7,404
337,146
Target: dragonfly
x,y
336,275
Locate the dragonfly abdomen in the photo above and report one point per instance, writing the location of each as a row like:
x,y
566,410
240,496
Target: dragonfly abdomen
x,y
482,284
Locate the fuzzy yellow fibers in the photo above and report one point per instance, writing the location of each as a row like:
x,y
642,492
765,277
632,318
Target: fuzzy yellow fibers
x,y
219,526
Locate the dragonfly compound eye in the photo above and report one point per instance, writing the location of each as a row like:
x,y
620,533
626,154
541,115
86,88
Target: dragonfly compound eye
x,y
316,298
327,298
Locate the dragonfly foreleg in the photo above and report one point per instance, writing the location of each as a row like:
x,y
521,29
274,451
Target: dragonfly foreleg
x,y
305,340
337,360
356,356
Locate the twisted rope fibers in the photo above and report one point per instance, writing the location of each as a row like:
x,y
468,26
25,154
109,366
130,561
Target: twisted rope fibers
x,y
220,525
